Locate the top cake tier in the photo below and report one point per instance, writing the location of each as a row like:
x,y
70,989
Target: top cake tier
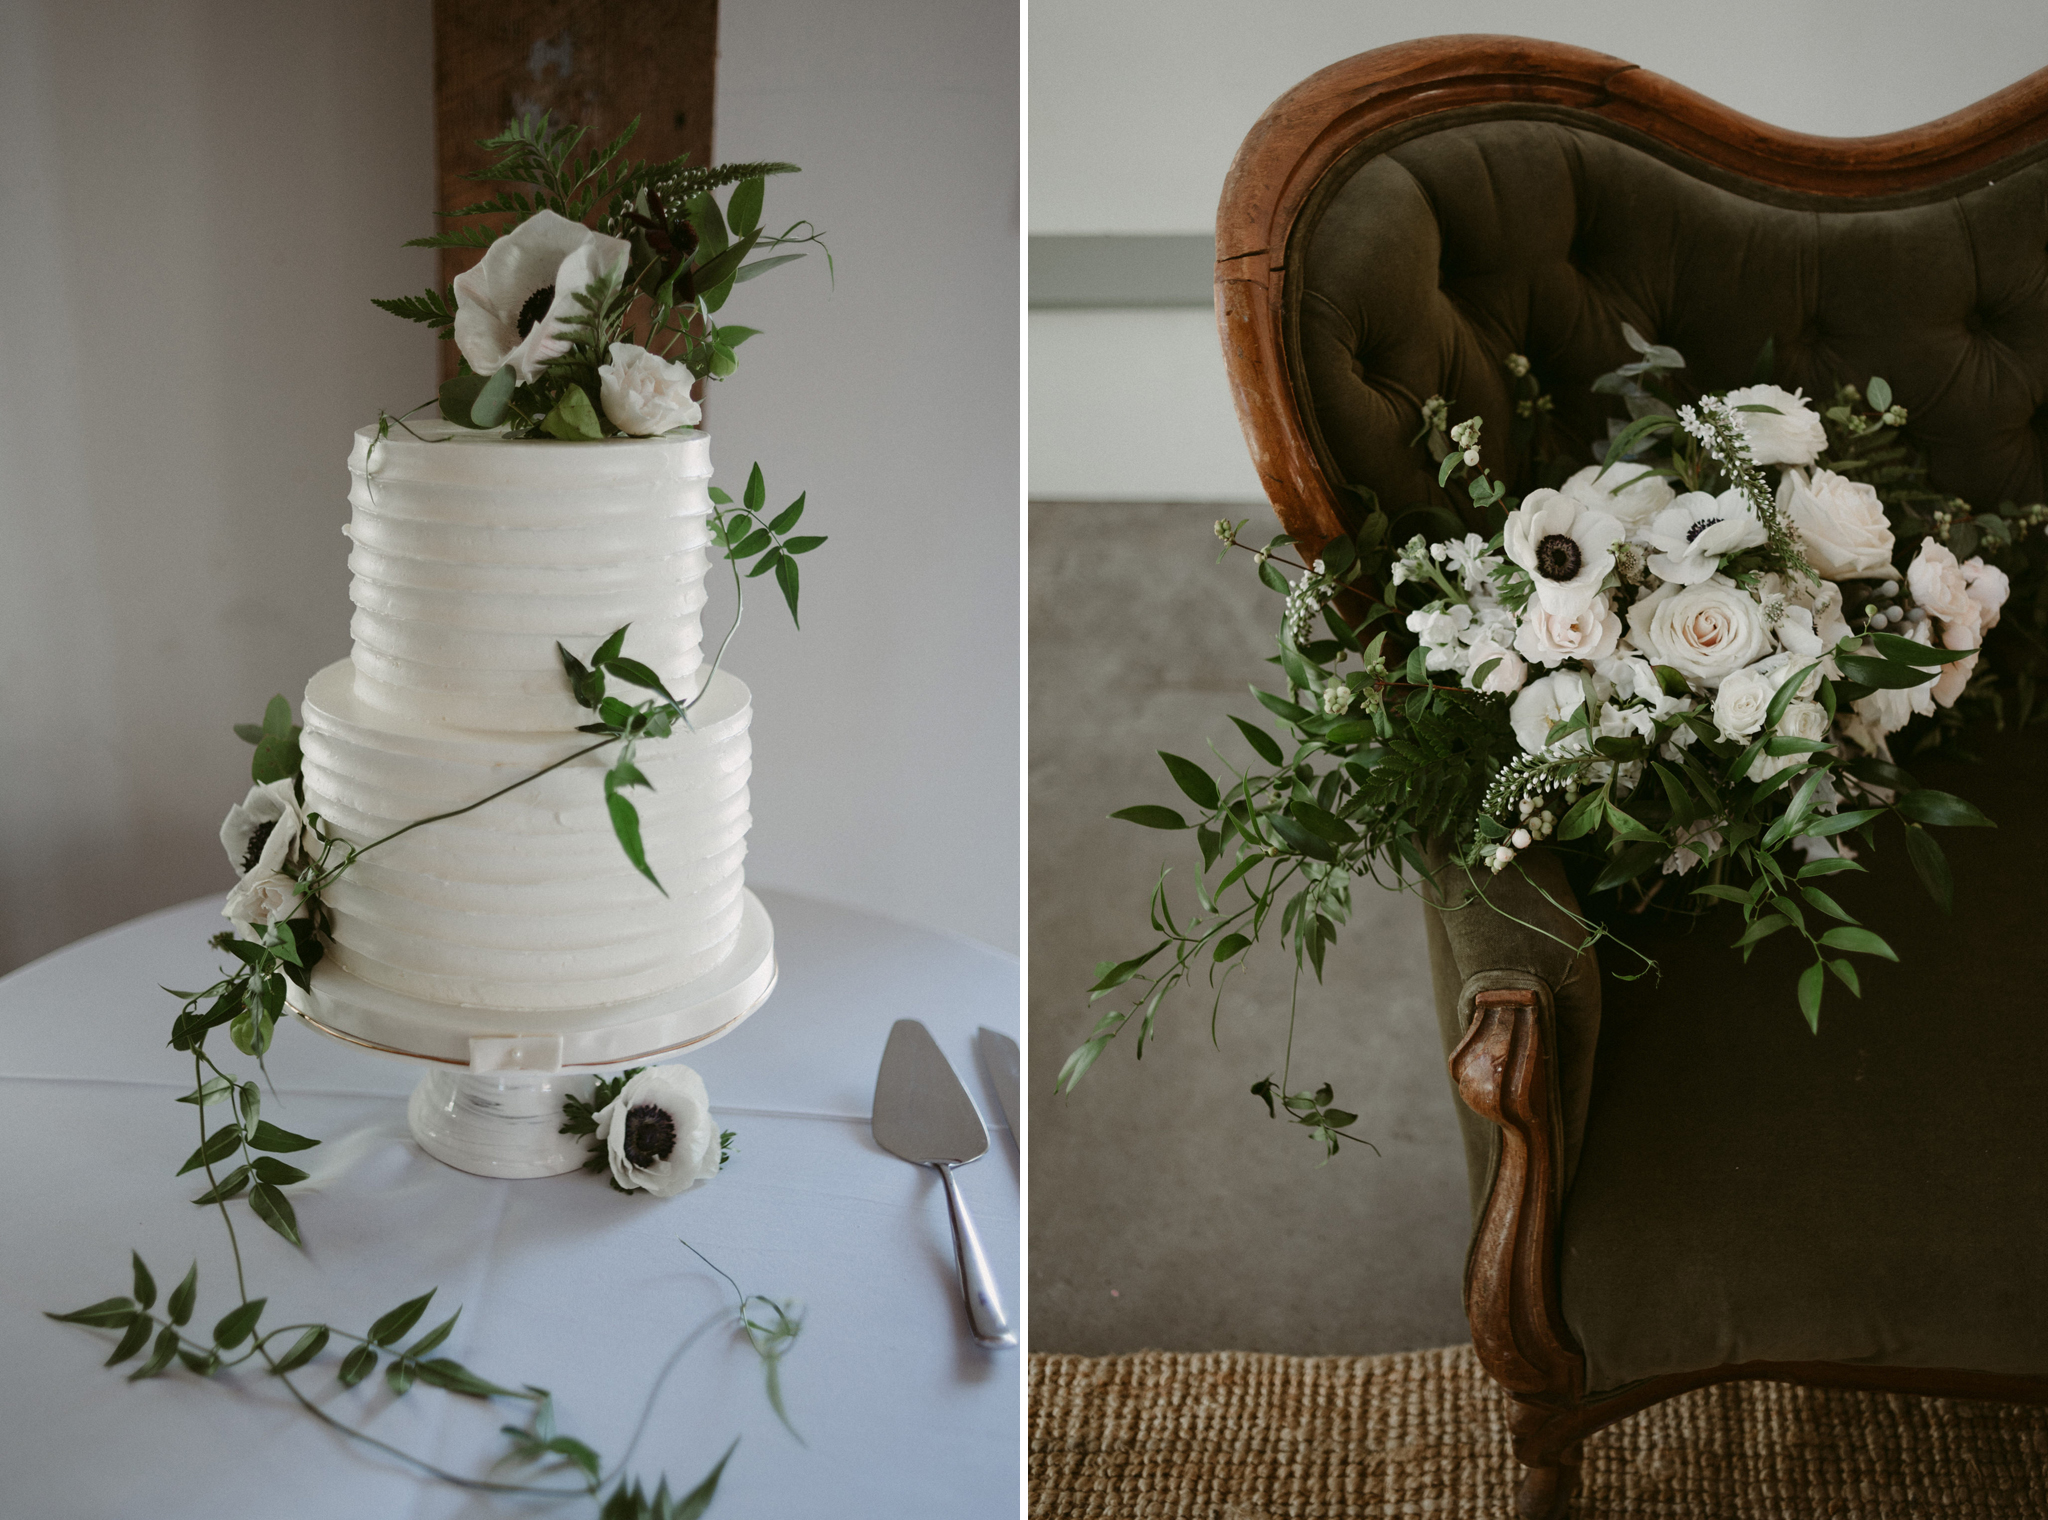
x,y
474,554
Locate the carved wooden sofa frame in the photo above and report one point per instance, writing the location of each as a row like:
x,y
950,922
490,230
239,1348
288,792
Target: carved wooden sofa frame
x,y
1505,1068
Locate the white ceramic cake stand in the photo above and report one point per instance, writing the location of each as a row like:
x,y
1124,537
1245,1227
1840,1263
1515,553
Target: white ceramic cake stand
x,y
490,1101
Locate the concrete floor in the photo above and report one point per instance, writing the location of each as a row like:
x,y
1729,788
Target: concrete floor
x,y
1167,1211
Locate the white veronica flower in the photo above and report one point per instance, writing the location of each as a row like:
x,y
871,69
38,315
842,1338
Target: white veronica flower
x,y
509,309
1705,632
1794,435
1842,527
1548,638
645,394
1695,531
1610,491
1566,547
658,1132
1550,699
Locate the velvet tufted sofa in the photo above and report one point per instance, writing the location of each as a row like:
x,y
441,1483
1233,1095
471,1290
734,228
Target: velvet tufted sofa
x,y
1673,1181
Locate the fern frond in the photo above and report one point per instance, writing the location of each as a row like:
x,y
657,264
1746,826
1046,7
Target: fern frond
x,y
435,308
458,237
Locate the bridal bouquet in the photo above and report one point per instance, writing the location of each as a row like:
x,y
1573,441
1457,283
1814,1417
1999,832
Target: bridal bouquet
x,y
1691,661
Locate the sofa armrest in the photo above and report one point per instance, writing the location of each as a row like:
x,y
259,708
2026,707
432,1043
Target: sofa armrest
x,y
1514,933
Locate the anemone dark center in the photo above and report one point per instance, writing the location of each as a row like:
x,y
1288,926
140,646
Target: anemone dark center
x,y
1700,527
257,841
650,1135
535,308
1558,558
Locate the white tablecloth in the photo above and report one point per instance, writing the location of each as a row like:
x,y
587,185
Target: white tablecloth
x,y
562,1282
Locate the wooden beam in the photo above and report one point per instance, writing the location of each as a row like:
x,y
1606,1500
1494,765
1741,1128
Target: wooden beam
x,y
596,62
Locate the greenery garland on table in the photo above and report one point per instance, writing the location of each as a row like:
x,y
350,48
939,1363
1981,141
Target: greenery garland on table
x,y
667,250
1739,672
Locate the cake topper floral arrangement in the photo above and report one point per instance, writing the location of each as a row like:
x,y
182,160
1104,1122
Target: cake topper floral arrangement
x,y
1690,667
573,333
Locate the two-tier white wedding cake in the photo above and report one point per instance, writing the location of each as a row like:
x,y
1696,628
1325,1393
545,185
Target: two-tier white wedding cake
x,y
517,936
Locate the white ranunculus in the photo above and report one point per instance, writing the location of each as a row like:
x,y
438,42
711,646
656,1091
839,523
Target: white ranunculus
x,y
645,394
1642,494
1566,547
658,1132
1841,523
510,308
1549,638
1794,436
1506,677
1744,698
1705,632
1695,531
1546,701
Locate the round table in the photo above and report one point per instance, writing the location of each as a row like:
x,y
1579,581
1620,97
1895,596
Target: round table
x,y
562,1281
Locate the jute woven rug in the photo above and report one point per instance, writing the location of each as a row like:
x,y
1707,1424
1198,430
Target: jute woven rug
x,y
1238,1436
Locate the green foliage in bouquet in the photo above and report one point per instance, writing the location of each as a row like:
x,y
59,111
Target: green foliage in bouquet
x,y
1747,731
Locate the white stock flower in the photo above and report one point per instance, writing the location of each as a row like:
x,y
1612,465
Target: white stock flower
x,y
1633,505
1841,523
658,1132
645,394
1543,702
1566,547
509,309
1695,531
1549,638
1437,628
1705,632
1794,436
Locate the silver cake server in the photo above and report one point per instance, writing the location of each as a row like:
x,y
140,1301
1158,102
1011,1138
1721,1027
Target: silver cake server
x,y
923,1114
999,1059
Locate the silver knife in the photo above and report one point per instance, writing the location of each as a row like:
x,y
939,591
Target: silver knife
x,y
923,1114
999,1059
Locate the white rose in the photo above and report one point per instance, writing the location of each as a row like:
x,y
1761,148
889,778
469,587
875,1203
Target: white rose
x,y
1802,720
1550,638
1841,525
1543,702
1629,493
509,309
1506,677
1566,547
658,1132
645,394
263,897
1793,436
1695,531
1740,704
1705,632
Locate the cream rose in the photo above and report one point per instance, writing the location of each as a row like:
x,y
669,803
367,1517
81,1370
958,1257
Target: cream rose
x,y
658,1132
645,394
1841,524
1551,638
1793,436
1705,632
1627,492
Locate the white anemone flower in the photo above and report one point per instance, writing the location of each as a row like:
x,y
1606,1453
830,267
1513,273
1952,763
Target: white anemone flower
x,y
658,1132
259,834
510,308
1695,531
1566,546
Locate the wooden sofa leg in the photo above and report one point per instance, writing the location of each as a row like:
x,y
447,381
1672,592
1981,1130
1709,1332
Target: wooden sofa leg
x,y
1503,1072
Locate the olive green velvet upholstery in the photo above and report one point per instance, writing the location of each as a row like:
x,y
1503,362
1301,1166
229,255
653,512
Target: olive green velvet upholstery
x,y
1736,1188
1436,259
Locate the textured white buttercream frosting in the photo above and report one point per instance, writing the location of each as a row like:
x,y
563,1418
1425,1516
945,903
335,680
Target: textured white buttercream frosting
x,y
473,555
471,558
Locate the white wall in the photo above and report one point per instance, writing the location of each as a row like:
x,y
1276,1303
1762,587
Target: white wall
x,y
1137,108
197,202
